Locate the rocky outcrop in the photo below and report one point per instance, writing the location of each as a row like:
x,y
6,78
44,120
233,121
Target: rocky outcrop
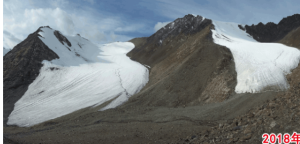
x,y
20,68
292,39
188,25
272,32
139,41
62,38
185,65
151,52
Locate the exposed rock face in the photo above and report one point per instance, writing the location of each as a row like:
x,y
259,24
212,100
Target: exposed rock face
x,y
150,52
20,68
188,25
62,38
292,38
185,65
139,41
272,32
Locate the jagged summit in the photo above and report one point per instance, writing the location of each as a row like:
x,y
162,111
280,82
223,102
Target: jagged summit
x,y
171,35
189,24
271,32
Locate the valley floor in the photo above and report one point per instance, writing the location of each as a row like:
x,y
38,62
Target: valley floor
x,y
127,124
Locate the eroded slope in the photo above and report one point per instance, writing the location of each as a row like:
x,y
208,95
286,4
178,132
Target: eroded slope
x,y
185,65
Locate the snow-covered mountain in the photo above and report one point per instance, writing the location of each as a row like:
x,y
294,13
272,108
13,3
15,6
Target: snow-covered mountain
x,y
84,75
259,66
202,72
49,75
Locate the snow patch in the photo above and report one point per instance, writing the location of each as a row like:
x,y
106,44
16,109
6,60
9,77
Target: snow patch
x,y
82,51
172,25
160,25
259,66
194,15
147,66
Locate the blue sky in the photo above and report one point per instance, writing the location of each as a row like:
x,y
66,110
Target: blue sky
x,y
104,21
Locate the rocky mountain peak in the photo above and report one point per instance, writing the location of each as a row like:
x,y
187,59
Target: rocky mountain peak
x,y
21,66
271,32
189,24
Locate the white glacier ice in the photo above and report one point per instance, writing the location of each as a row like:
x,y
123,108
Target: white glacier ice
x,y
72,82
259,66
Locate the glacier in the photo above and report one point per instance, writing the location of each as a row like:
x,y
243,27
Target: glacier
x,y
259,66
85,75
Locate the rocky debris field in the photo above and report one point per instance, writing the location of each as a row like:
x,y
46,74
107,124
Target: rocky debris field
x,y
279,115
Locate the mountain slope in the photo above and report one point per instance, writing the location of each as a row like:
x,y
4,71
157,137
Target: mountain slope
x,y
292,39
150,52
21,67
194,73
279,115
5,51
259,66
82,75
185,66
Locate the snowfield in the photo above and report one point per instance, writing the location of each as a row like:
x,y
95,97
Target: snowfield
x,y
259,66
85,75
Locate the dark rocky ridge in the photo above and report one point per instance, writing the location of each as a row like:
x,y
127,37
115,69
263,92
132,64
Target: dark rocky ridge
x,y
62,38
188,25
272,32
21,66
